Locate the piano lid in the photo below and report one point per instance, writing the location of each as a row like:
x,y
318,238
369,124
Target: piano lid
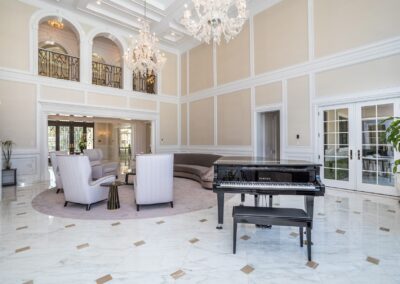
x,y
260,161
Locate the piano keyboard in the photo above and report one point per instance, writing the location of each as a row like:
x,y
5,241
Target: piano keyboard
x,y
267,185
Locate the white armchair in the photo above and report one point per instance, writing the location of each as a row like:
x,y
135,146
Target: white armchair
x,y
100,167
154,179
77,181
56,171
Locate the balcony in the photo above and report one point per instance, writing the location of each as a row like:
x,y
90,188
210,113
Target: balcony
x,y
106,75
58,65
144,84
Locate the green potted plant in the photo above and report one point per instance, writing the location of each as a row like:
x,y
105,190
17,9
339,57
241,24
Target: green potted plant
x,y
82,143
7,152
393,137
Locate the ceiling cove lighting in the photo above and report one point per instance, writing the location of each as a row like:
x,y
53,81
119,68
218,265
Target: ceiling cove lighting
x,y
143,56
210,20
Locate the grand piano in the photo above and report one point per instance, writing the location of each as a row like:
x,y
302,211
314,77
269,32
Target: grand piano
x,y
258,176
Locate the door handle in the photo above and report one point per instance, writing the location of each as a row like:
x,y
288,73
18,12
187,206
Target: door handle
x,y
359,154
351,154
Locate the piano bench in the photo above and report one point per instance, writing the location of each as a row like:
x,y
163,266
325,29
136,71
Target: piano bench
x,y
273,216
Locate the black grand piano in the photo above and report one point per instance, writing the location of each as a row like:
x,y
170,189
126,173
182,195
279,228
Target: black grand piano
x,y
258,176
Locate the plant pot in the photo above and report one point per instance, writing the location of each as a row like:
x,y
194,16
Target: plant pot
x,y
8,165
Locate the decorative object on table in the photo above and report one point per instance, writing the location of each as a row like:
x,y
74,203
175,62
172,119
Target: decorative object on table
x,y
9,177
393,137
82,143
215,18
143,56
7,152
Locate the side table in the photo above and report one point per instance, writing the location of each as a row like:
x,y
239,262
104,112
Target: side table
x,y
113,197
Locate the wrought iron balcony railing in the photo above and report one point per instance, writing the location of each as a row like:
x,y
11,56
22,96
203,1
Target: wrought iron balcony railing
x,y
58,65
106,75
144,84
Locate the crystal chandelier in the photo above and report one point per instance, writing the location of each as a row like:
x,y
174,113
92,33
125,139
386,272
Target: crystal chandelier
x,y
143,56
56,23
214,18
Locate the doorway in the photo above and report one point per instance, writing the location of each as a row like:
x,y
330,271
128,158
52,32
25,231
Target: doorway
x,y
353,147
268,141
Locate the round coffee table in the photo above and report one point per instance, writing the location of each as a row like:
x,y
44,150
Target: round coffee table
x,y
113,197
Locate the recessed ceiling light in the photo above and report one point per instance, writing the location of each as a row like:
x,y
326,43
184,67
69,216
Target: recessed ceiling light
x,y
98,2
173,34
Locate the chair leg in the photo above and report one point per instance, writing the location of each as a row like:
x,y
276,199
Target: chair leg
x,y
58,190
137,207
301,236
234,235
66,203
88,207
172,204
308,231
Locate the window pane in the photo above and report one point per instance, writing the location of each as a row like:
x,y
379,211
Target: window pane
x,y
369,177
386,179
342,163
368,111
329,173
64,138
369,125
369,164
329,115
342,114
342,175
369,151
329,162
342,126
78,135
329,126
89,138
369,138
385,110
51,134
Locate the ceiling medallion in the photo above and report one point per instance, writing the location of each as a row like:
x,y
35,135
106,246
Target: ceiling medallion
x,y
143,56
56,23
213,19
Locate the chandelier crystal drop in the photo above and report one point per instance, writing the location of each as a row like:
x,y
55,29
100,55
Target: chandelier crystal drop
x,y
143,56
213,19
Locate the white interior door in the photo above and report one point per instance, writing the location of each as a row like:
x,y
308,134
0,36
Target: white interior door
x,y
353,147
336,146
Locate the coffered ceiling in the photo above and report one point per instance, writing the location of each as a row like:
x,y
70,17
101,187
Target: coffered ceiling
x,y
163,15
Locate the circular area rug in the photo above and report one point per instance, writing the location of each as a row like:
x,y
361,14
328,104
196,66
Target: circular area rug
x,y
188,196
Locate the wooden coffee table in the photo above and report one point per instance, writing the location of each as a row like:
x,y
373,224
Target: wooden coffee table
x,y
113,197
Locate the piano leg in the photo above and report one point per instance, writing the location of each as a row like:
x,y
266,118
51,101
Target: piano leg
x,y
220,199
256,200
309,206
242,199
270,201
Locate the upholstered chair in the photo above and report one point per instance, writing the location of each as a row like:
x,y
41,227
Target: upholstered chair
x,y
54,165
154,181
100,167
76,174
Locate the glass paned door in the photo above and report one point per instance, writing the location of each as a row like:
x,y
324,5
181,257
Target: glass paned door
x,y
376,156
336,153
64,138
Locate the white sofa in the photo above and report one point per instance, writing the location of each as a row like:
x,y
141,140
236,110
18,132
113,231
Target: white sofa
x,y
100,167
154,182
56,171
76,174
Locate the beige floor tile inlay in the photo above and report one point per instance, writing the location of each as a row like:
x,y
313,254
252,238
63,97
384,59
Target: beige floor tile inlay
x,y
194,240
177,274
22,249
384,229
372,260
293,234
21,228
356,212
245,237
305,242
321,214
70,226
104,279
82,246
139,243
203,220
116,224
312,264
21,203
160,222
338,201
28,282
247,269
340,231
22,213
391,211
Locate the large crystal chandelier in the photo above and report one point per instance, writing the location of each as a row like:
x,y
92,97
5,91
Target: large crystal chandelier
x,y
143,56
214,18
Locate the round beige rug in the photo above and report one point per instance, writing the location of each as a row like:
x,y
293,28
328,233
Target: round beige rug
x,y
188,196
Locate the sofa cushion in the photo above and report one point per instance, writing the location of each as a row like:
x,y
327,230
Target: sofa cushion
x,y
193,169
208,175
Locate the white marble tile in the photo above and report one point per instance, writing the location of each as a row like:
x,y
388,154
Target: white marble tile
x,y
275,255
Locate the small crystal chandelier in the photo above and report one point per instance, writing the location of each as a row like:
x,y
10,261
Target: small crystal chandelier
x,y
143,56
56,23
214,18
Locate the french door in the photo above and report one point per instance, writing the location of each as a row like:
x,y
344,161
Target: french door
x,y
353,147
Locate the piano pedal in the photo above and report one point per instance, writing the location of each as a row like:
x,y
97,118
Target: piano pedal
x,y
263,226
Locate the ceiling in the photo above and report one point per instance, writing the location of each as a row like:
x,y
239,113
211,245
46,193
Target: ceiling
x,y
163,15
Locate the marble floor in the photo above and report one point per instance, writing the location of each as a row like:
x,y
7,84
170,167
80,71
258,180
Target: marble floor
x,y
356,240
